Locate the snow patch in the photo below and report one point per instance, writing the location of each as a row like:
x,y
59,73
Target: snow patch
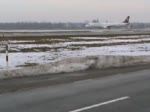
x,y
76,64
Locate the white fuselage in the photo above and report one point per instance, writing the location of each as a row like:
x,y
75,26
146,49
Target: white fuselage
x,y
105,25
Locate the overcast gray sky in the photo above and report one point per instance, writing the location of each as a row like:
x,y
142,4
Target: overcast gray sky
x,y
74,10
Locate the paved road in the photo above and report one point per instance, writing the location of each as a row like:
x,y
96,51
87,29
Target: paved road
x,y
129,92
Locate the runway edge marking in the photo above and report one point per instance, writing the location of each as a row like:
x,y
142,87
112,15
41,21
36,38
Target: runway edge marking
x,y
101,104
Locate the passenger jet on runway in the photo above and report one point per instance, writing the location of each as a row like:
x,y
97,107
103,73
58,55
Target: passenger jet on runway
x,y
108,25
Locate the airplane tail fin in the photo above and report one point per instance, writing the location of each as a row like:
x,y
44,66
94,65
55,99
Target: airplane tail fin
x,y
127,20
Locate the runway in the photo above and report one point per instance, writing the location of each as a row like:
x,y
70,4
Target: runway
x,y
72,33
127,92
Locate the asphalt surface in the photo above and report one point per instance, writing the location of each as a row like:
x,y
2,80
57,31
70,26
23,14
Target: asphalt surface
x,y
126,92
73,33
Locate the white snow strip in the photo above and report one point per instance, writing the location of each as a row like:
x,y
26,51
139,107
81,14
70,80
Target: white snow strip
x,y
76,64
16,59
20,41
90,38
139,36
65,44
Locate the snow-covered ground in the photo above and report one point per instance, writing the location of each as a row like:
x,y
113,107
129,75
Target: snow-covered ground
x,y
19,59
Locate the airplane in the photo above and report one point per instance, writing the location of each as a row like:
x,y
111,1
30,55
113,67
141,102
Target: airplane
x,y
108,25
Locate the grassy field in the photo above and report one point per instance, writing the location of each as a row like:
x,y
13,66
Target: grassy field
x,y
32,51
43,44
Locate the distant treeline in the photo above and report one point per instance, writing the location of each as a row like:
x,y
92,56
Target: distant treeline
x,y
39,26
139,25
47,26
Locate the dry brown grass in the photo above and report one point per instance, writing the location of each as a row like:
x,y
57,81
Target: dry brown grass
x,y
56,40
108,44
27,64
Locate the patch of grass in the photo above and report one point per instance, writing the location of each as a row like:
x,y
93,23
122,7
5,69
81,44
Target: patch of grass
x,y
26,38
88,40
129,38
28,64
41,49
108,44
